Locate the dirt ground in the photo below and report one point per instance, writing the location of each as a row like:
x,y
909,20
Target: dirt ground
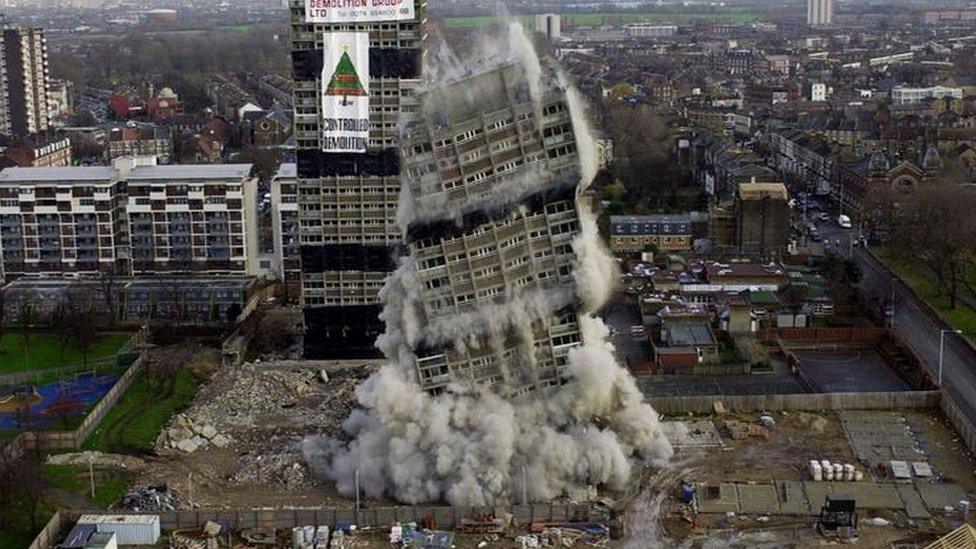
x,y
796,438
267,410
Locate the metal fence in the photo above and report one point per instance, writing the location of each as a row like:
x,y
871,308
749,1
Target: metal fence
x,y
71,440
373,517
823,401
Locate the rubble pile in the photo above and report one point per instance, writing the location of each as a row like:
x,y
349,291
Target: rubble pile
x,y
186,435
592,535
248,404
98,459
153,499
286,469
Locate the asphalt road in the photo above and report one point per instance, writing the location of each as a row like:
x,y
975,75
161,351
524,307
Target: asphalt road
x,y
922,332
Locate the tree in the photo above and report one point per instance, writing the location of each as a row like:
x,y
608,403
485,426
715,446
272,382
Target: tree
x,y
28,484
3,317
61,326
107,287
935,227
841,270
642,153
82,119
614,192
26,314
85,331
266,162
754,352
9,456
86,149
83,324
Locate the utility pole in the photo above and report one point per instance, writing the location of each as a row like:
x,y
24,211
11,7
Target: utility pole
x,y
191,489
91,476
357,490
525,486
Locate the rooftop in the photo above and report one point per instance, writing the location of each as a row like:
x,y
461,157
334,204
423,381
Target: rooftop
x,y
68,175
287,170
759,191
688,334
651,224
65,174
200,171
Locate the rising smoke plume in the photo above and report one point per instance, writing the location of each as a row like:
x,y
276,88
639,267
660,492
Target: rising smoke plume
x,y
471,445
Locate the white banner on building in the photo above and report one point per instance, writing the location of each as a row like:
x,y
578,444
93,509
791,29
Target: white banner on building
x,y
358,11
345,92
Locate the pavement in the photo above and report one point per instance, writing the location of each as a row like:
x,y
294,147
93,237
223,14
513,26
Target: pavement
x,y
858,371
752,384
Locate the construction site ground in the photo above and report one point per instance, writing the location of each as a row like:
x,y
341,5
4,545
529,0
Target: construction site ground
x,y
755,490
245,430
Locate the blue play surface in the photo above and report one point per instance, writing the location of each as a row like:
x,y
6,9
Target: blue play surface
x,y
62,399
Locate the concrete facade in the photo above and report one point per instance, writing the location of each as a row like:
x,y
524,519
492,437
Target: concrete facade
x,y
133,218
493,214
347,202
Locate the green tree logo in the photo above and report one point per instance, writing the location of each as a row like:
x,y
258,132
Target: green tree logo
x,y
345,80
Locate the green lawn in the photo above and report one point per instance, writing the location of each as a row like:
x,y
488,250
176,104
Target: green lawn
x,y
598,19
17,530
109,487
960,318
43,351
134,422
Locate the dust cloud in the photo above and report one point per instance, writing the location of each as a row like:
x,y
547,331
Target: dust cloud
x,y
474,445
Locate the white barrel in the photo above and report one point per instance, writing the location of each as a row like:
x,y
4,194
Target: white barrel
x,y
858,476
825,463
309,534
839,471
816,471
322,537
828,474
848,472
297,537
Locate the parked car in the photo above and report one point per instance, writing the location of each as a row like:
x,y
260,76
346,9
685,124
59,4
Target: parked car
x,y
844,221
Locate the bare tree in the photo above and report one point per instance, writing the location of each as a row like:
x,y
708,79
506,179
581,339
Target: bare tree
x,y
935,227
642,149
61,325
83,323
107,285
3,318
9,456
26,315
28,484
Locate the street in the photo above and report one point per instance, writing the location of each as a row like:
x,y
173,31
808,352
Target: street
x,y
922,331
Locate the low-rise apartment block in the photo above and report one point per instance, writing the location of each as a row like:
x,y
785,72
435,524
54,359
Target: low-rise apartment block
x,y
135,140
636,233
914,96
132,218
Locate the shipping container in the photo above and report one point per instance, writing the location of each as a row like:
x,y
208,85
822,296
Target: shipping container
x,y
129,529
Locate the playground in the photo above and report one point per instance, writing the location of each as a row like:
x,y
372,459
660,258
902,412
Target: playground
x,y
26,406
